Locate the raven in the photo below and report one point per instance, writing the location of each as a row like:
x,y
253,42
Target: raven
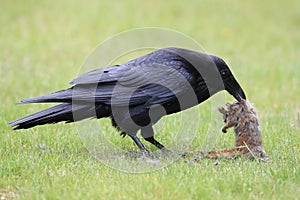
x,y
136,94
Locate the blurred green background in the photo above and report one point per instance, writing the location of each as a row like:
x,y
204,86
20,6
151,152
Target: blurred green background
x,y
44,43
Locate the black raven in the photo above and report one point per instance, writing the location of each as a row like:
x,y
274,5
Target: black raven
x,y
136,94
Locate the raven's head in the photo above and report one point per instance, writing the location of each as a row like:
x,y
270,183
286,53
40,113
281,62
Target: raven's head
x,y
230,83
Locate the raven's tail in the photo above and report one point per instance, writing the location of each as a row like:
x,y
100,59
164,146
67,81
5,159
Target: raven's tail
x,y
67,112
61,96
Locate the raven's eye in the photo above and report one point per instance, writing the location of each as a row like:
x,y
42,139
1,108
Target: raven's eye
x,y
223,72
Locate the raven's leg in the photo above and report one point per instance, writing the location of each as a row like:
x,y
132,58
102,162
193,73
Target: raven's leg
x,y
148,134
139,144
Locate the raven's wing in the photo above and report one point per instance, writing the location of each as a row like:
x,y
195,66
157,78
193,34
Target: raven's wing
x,y
151,84
151,79
162,57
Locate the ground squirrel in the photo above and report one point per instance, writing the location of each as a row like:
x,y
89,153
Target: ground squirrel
x,y
243,117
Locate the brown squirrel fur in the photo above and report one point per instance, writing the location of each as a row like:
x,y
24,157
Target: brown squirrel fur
x,y
243,117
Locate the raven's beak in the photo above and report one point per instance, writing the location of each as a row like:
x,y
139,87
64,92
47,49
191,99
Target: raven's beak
x,y
234,88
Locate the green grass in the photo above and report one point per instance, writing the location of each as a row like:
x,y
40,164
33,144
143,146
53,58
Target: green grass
x,y
44,43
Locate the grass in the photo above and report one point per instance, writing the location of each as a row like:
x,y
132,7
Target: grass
x,y
43,45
